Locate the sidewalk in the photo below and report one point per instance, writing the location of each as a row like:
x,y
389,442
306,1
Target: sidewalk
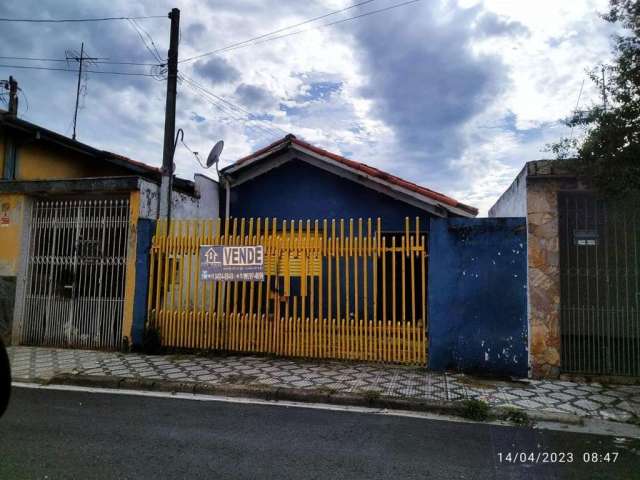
x,y
38,364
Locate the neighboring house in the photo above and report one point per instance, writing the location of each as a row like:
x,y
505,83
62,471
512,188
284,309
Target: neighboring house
x,y
292,179
583,273
72,218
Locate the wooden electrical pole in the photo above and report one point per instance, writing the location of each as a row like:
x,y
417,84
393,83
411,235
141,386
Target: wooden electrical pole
x,y
170,116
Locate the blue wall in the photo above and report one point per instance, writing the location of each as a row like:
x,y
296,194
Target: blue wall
x,y
143,245
478,295
297,190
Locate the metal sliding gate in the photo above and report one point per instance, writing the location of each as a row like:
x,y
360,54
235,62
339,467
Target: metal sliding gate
x,y
74,291
600,291
336,289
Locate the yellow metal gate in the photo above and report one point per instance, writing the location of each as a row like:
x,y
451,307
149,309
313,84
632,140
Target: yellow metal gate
x,y
342,290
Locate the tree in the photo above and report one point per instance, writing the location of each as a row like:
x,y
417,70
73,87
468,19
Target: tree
x,y
608,156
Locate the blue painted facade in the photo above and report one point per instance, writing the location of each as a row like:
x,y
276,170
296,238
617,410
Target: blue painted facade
x,y
145,232
300,191
478,295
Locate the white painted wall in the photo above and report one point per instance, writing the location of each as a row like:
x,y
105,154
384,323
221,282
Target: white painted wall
x,y
204,204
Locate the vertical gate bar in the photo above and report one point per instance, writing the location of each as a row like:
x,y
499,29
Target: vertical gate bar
x,y
375,299
110,262
384,280
42,268
27,312
103,254
625,313
636,235
80,271
347,288
597,308
413,256
339,253
50,271
89,214
96,262
32,277
163,288
570,337
42,272
356,291
616,310
424,330
195,323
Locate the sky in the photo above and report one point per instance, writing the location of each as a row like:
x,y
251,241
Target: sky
x,y
453,95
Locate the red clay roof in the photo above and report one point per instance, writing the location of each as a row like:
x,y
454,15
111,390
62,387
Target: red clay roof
x,y
364,168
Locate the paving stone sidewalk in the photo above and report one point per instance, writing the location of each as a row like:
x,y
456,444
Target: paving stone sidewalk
x,y
620,402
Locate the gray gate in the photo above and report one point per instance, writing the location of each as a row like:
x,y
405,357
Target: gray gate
x,y
600,293
74,291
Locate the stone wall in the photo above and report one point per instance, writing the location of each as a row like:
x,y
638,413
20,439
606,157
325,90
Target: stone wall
x,y
544,274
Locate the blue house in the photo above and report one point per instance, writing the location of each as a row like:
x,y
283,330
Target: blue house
x,y
292,179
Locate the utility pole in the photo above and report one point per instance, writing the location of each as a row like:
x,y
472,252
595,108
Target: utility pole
x,y
81,59
170,117
13,97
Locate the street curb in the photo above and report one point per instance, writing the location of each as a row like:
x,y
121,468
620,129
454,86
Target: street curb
x,y
272,393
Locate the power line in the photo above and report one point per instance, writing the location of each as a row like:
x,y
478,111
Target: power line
x,y
270,127
141,33
249,43
276,31
64,60
257,127
109,72
74,20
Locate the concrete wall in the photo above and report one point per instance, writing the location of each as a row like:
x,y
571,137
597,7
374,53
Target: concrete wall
x,y
204,204
536,189
513,202
145,230
478,296
297,190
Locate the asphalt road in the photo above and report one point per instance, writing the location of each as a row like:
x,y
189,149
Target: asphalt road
x,y
61,434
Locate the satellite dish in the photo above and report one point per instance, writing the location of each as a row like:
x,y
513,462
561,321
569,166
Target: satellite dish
x,y
214,155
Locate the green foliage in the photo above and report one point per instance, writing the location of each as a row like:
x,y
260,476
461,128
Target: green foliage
x,y
608,156
517,416
475,409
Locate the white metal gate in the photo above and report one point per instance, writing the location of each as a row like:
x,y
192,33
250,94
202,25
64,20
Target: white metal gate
x,y
74,292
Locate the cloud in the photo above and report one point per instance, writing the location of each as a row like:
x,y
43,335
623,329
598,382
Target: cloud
x,y
428,83
217,70
490,25
455,95
255,97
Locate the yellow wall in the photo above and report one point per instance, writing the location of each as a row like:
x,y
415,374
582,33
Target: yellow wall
x,y
11,235
45,162
130,279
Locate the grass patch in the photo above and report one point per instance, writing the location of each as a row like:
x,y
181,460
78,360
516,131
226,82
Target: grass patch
x,y
517,416
325,390
371,395
475,410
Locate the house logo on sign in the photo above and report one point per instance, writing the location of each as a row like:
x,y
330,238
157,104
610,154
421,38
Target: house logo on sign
x,y
212,257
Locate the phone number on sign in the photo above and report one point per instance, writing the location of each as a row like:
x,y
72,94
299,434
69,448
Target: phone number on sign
x,y
556,457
